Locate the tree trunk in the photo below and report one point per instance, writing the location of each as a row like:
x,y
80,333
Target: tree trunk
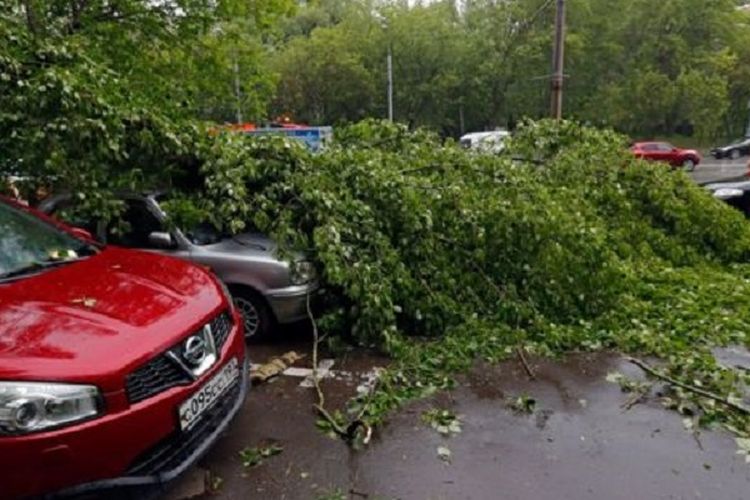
x,y
32,19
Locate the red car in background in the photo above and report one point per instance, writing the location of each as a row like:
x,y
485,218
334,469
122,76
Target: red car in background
x,y
665,152
117,367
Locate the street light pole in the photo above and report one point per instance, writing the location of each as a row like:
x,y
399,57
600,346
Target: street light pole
x,y
558,63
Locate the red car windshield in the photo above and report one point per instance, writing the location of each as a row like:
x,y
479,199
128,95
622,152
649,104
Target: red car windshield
x,y
29,244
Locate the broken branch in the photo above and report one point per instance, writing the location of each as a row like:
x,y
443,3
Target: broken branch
x,y
349,433
529,371
701,392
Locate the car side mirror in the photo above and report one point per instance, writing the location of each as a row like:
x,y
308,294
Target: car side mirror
x,y
82,233
159,239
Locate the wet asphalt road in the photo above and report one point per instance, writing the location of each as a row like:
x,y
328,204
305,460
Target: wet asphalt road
x,y
579,442
711,170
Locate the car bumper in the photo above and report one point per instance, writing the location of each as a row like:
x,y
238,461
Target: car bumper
x,y
721,153
180,452
290,304
139,447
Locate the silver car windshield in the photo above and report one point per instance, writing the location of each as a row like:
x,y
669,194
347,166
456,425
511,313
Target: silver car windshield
x,y
205,233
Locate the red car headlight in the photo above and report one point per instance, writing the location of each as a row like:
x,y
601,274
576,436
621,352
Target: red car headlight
x,y
27,407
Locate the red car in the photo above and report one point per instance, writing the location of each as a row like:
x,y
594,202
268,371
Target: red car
x,y
665,152
117,367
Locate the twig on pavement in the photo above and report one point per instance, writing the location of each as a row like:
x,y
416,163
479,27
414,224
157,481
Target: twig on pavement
x,y
701,392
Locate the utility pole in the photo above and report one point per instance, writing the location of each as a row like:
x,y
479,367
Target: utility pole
x,y
558,64
237,94
461,115
389,61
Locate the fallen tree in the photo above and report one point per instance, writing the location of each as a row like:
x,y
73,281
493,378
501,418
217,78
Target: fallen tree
x,y
565,243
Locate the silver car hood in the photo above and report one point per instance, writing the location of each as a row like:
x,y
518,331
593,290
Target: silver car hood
x,y
245,244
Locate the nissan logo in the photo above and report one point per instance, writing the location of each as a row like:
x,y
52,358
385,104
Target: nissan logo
x,y
195,350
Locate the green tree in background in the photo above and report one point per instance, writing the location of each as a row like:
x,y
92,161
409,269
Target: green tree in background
x,y
644,68
678,66
324,78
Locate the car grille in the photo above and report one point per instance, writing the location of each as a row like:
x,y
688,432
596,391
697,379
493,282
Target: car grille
x,y
162,373
175,449
221,326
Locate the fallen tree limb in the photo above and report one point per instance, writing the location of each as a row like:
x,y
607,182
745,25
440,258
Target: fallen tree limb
x,y
350,432
696,390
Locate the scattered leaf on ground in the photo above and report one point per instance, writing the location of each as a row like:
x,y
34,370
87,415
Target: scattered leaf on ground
x,y
443,421
523,404
444,454
743,445
255,456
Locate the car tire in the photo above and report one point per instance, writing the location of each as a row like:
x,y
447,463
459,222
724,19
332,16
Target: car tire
x,y
254,311
735,154
688,165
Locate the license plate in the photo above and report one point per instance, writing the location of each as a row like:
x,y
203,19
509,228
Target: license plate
x,y
193,408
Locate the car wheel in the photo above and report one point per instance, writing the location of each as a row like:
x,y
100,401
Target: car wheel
x,y
688,165
735,154
254,312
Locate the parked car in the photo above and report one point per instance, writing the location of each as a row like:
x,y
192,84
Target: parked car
x,y
734,191
735,194
266,289
117,367
735,150
665,152
488,142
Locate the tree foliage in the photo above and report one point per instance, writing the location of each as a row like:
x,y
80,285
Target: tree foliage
x,y
416,237
677,67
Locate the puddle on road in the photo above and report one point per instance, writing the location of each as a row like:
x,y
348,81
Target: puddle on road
x,y
577,444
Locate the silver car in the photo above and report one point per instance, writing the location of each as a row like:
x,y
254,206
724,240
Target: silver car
x,y
266,289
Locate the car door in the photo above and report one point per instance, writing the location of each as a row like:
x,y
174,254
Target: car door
x,y
648,151
665,152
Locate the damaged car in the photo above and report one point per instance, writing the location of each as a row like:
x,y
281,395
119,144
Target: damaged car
x,y
267,290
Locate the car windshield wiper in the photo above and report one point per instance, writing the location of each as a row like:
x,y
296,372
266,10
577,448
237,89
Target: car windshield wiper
x,y
38,266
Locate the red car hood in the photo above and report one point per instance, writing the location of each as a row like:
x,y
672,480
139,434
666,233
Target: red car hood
x,y
96,320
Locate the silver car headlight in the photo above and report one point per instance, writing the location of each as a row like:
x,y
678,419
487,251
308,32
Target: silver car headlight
x,y
302,272
27,407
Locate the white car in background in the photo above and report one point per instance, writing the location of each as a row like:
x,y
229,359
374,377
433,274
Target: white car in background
x,y
486,142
